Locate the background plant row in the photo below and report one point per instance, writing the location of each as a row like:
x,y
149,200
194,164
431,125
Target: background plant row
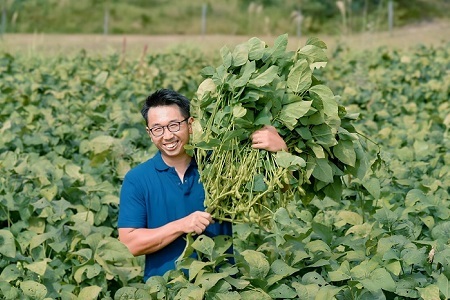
x,y
70,129
242,17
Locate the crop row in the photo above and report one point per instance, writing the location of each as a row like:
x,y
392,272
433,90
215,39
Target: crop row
x,y
70,129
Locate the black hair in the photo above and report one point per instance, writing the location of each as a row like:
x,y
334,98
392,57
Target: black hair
x,y
164,97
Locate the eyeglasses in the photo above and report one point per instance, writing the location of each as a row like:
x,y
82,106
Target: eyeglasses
x,y
172,127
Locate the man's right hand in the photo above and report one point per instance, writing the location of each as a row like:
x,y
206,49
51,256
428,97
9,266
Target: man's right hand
x,y
196,222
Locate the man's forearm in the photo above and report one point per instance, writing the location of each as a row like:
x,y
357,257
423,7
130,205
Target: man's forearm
x,y
142,241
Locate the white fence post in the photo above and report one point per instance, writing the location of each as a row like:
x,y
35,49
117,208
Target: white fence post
x,y
106,22
3,25
204,10
390,15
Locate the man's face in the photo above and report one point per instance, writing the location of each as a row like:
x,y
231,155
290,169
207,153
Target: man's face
x,y
171,144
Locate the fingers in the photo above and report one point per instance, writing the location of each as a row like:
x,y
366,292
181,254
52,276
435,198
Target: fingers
x,y
267,138
198,221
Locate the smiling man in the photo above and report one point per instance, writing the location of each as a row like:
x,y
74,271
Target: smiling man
x,y
161,200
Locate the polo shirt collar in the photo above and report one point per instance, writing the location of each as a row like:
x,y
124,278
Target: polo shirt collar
x,y
160,165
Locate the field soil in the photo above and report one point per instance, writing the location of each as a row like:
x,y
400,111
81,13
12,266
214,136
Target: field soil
x,y
429,33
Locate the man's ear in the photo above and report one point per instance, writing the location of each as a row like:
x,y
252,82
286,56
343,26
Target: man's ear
x,y
190,121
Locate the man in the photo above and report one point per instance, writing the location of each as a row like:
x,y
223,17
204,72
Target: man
x,y
161,200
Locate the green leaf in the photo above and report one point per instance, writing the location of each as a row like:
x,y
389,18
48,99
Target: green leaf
x,y
279,46
322,170
316,42
342,273
221,244
259,184
323,135
195,268
38,267
207,86
247,72
240,55
49,192
441,231
373,187
345,152
299,78
239,111
430,292
256,48
73,171
255,294
328,292
205,245
414,196
364,269
265,78
10,273
286,159
306,291
237,282
209,280
330,106
291,112
88,271
318,247
101,143
282,291
443,284
101,78
257,264
90,292
33,289
280,267
379,279
226,57
313,53
7,244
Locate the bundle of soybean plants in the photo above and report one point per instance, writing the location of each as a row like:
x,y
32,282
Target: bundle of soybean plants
x,y
258,85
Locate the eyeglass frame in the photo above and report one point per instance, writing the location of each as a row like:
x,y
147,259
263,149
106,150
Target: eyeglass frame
x,y
167,126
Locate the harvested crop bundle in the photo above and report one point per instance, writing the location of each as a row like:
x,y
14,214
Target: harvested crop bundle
x,y
257,85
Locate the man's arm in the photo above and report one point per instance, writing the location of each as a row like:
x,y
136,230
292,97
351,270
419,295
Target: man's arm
x,y
267,138
147,240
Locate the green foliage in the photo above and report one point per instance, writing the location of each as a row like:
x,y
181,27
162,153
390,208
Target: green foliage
x,y
259,85
249,17
70,128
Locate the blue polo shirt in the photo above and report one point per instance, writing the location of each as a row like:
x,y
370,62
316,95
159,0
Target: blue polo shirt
x,y
153,195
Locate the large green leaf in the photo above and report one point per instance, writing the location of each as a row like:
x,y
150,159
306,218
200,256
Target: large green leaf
x,y
257,264
299,78
33,289
379,279
265,78
7,244
345,152
291,112
322,170
324,93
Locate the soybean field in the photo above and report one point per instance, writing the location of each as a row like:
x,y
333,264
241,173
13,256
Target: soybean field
x,y
70,129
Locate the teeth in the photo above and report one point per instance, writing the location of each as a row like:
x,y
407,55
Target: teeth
x,y
171,146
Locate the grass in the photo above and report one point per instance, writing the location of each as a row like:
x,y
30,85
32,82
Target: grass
x,y
133,45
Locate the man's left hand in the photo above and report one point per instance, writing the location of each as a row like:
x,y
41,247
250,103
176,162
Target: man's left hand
x,y
267,138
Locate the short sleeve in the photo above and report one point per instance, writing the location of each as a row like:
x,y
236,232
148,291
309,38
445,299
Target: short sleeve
x,y
132,207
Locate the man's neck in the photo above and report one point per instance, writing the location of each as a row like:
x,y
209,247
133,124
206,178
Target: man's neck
x,y
180,163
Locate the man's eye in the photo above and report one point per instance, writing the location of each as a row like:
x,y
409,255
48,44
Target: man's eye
x,y
173,126
157,129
